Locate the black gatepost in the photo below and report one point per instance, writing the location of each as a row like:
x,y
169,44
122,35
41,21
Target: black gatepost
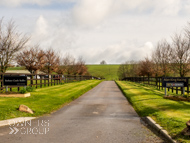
x,y
14,81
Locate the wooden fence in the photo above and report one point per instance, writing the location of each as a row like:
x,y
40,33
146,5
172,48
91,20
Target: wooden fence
x,y
43,80
157,81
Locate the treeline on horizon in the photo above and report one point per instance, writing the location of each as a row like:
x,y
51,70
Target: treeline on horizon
x,y
167,59
14,47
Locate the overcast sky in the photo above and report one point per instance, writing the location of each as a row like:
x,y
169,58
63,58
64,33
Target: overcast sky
x,y
112,30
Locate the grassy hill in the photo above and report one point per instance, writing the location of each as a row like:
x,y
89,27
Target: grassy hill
x,y
109,72
16,68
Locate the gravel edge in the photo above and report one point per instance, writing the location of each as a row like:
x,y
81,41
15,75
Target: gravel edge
x,y
157,128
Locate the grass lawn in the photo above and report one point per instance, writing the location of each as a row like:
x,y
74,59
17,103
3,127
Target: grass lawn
x,y
109,72
45,100
171,115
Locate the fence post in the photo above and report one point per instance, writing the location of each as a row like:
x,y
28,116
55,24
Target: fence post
x,y
36,80
181,90
31,80
159,83
40,81
172,89
188,86
48,79
54,79
51,79
1,82
58,80
61,78
65,79
44,80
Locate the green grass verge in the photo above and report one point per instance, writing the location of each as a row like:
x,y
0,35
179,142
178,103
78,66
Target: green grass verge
x,y
109,72
45,100
16,68
171,115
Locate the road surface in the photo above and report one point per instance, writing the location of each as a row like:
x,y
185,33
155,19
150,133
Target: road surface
x,y
102,115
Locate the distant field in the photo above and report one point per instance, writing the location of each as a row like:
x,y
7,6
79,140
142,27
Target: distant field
x,y
16,68
109,72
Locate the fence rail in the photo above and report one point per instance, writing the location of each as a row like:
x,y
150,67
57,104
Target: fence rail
x,y
157,81
43,80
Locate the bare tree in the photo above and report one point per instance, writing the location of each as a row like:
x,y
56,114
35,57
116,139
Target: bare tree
x,y
156,61
103,62
146,67
128,69
187,30
52,61
61,69
165,57
162,58
181,54
33,59
122,71
69,64
81,67
133,69
11,42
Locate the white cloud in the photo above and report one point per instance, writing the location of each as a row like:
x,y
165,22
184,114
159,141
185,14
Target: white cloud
x,y
50,32
167,7
116,53
16,3
41,28
116,31
118,40
90,13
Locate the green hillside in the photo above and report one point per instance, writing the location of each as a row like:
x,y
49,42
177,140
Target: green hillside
x,y
109,72
16,68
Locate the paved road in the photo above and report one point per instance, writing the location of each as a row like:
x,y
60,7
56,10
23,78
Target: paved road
x,y
102,115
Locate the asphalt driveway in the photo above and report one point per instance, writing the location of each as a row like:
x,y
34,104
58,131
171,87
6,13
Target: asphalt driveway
x,y
102,115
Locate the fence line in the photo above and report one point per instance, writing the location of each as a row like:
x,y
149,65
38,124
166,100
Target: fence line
x,y
157,81
44,80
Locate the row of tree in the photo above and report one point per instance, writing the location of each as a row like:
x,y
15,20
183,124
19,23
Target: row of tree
x,y
167,59
14,47
48,61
